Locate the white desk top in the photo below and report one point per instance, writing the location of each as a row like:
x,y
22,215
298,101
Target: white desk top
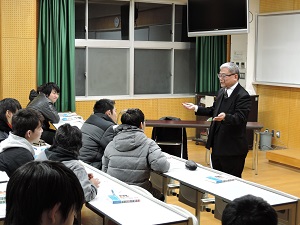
x,y
227,191
3,177
2,205
71,118
148,211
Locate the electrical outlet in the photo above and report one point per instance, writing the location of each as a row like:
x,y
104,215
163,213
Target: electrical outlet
x,y
278,134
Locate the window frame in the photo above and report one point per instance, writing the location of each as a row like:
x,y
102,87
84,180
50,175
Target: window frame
x,y
131,44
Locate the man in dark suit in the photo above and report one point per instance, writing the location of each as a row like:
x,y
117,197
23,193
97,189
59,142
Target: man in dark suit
x,y
227,133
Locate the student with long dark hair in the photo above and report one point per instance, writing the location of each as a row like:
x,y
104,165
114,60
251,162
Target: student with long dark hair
x,y
42,193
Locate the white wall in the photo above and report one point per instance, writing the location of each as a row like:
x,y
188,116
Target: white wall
x,y
254,9
243,48
239,55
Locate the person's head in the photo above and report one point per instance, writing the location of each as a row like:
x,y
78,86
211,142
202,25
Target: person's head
x,y
249,210
134,117
106,106
229,74
43,192
51,90
8,107
27,123
68,137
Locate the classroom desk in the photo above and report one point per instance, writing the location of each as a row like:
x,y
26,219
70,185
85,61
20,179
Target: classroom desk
x,y
3,185
69,117
148,211
230,190
255,126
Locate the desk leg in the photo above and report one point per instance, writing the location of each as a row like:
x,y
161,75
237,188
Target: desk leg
x,y
207,157
165,187
181,149
256,138
198,205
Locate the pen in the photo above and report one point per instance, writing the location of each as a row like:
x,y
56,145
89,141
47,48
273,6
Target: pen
x,y
112,191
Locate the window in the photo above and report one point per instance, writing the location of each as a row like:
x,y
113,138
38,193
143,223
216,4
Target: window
x,y
130,48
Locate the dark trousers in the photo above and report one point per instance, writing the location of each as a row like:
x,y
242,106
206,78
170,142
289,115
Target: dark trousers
x,y
233,165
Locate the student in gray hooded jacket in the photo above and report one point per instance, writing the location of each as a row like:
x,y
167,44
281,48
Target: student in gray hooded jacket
x,y
131,155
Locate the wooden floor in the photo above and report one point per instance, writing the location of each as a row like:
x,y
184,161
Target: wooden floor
x,y
283,178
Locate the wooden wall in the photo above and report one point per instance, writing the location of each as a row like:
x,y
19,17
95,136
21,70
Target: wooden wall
x,y
279,107
152,108
18,48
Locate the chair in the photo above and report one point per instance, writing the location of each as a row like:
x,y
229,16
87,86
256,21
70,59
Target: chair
x,y
141,190
219,208
157,183
192,218
171,140
189,197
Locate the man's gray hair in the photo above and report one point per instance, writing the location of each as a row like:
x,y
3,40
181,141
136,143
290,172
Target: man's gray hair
x,y
232,67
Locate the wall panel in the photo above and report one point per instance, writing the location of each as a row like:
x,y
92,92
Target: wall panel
x,y
18,47
152,108
275,6
279,107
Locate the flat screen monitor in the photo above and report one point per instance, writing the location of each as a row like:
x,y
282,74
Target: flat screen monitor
x,y
217,17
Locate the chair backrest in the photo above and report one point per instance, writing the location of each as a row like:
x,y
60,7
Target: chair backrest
x,y
192,218
157,181
167,134
187,195
171,135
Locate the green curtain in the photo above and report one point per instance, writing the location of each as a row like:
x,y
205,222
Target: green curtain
x,y
210,54
56,49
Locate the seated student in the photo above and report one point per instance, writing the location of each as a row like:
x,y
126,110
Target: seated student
x,y
249,210
8,107
16,150
97,132
65,149
131,155
43,100
43,193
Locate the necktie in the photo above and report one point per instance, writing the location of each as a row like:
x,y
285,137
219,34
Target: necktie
x,y
225,93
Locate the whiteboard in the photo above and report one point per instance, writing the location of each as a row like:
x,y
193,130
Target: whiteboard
x,y
278,48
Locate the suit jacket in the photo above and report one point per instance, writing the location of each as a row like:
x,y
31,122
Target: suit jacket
x,y
228,137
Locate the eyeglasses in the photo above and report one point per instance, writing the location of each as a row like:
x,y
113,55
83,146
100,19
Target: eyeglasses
x,y
223,75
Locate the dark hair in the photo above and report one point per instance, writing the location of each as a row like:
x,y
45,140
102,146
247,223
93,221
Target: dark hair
x,y
249,210
10,104
47,88
38,186
102,105
133,117
26,119
68,137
